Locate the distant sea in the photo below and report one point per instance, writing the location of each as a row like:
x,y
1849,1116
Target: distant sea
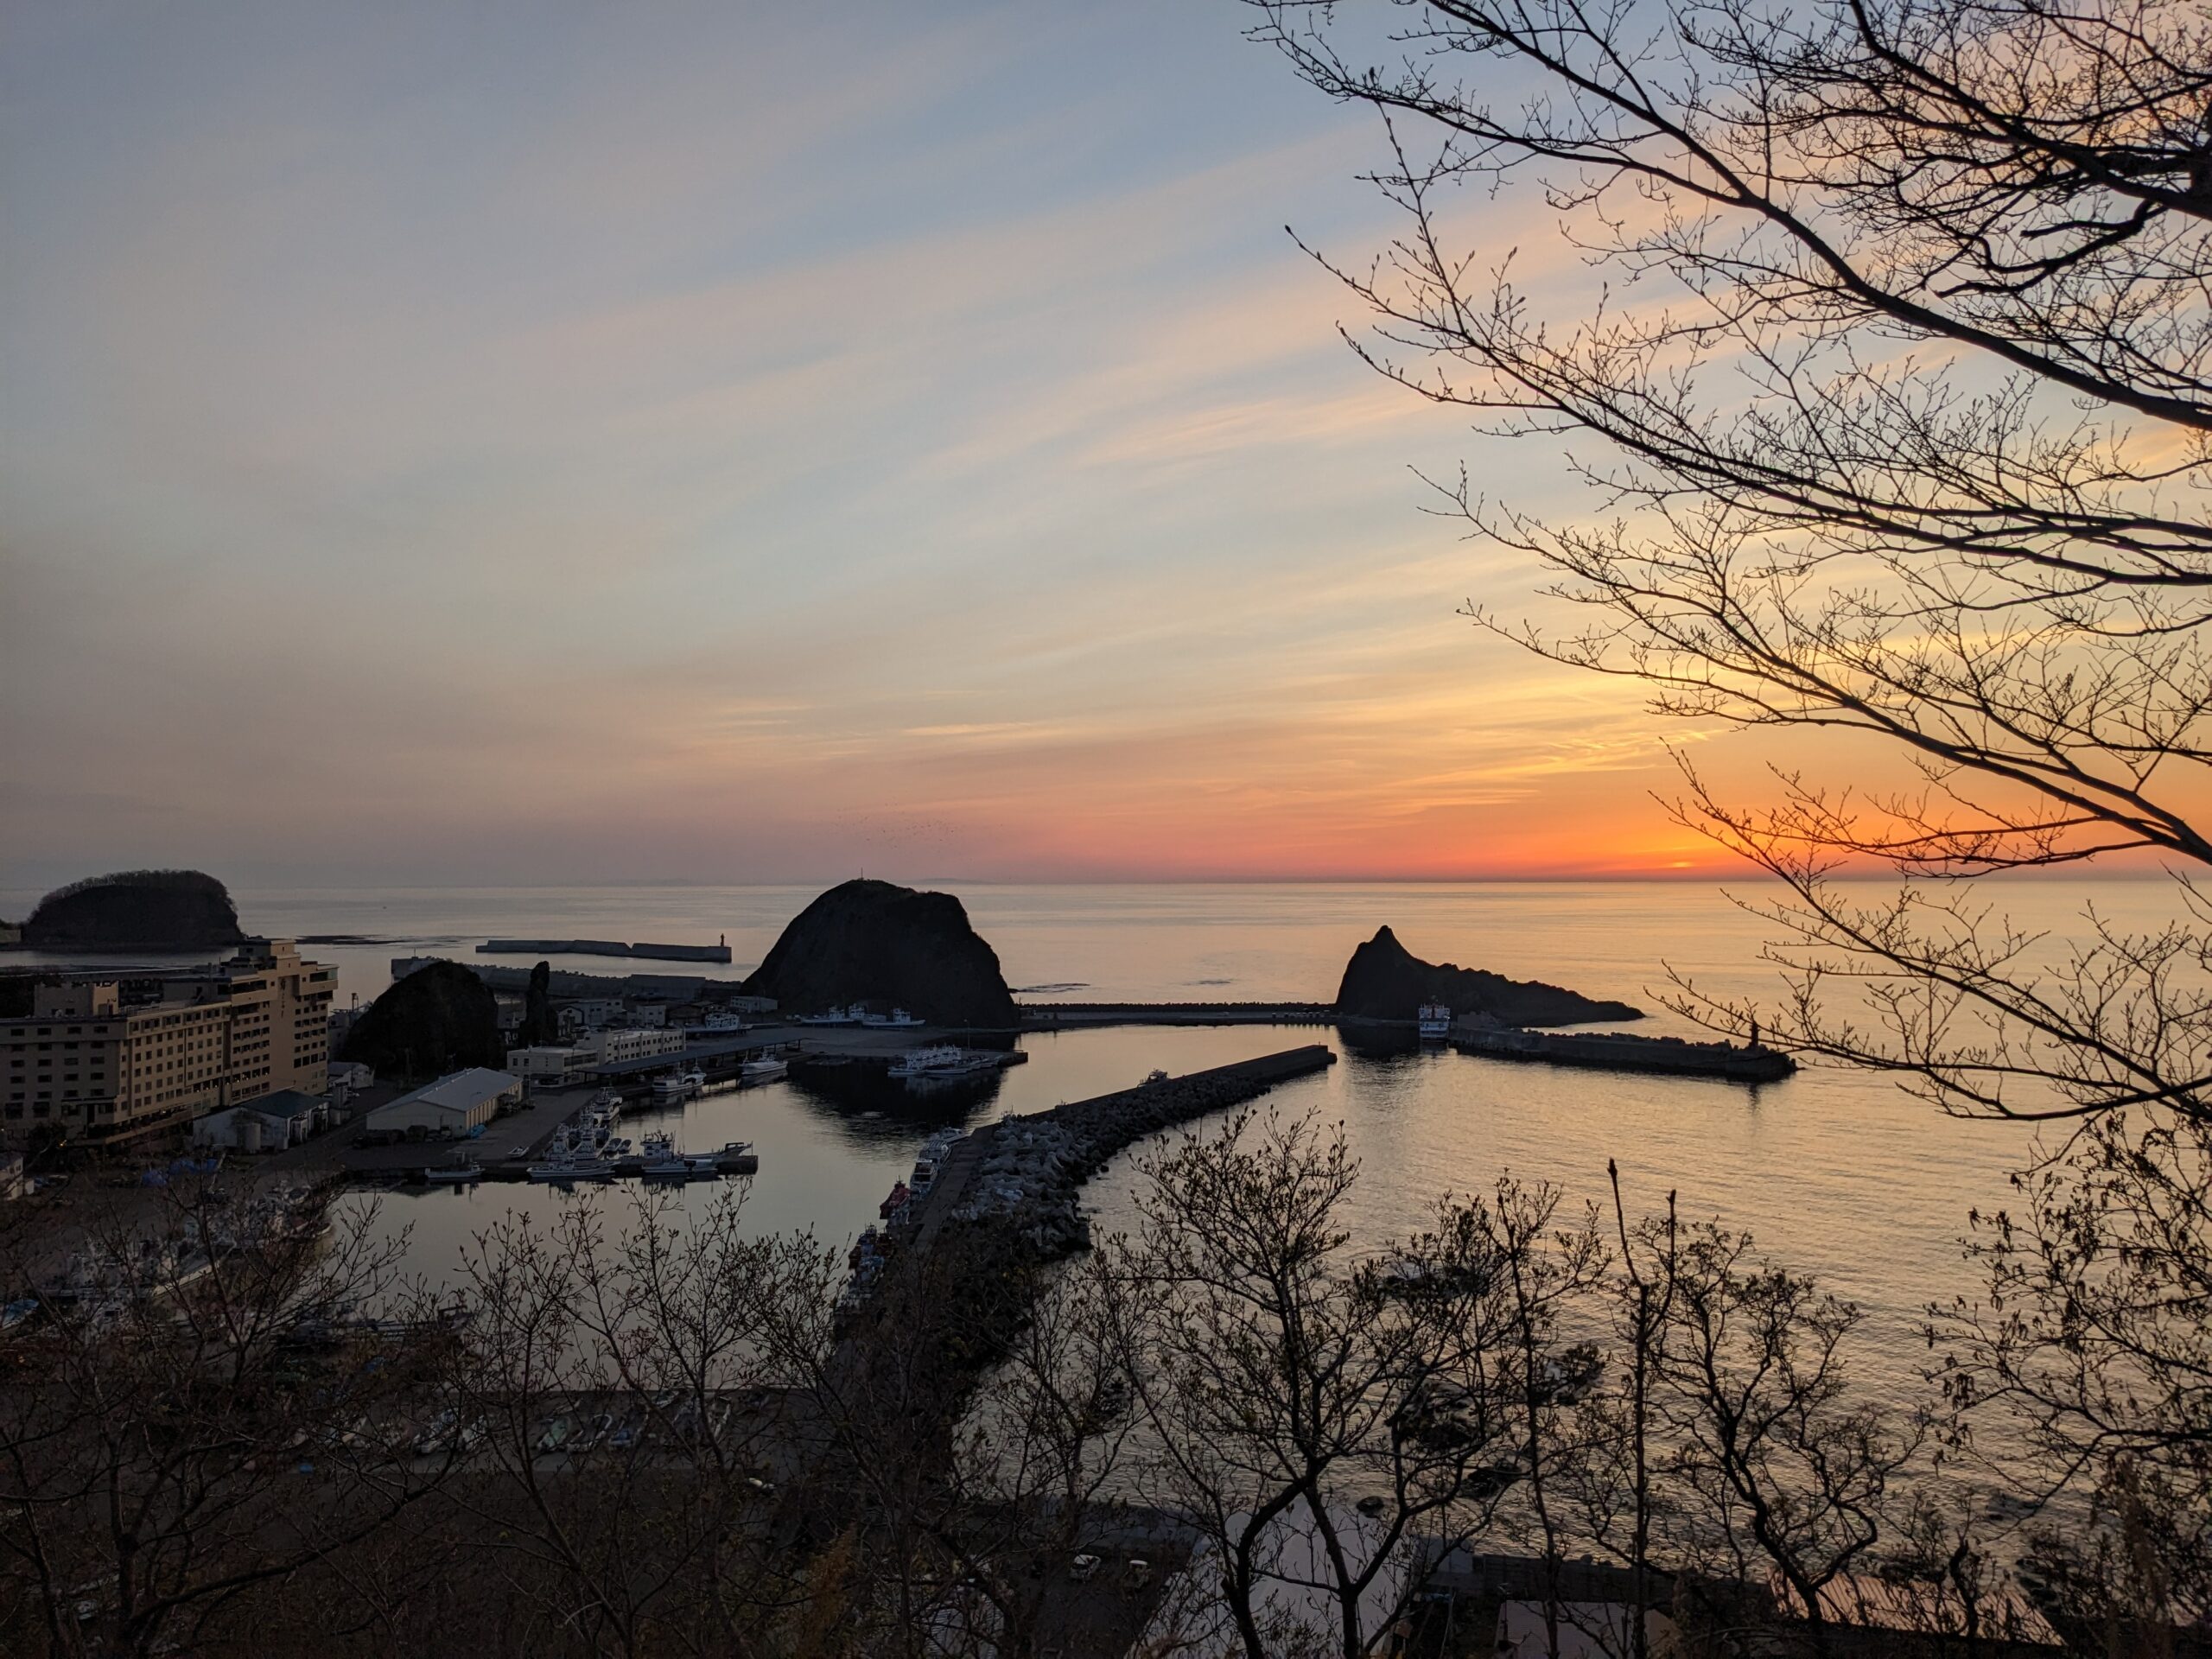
x,y
1834,1171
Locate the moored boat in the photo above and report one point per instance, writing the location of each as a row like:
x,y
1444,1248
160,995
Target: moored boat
x,y
939,1062
459,1170
571,1165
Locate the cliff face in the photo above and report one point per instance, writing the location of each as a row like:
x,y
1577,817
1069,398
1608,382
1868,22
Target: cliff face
x,y
1385,981
439,1019
135,910
873,942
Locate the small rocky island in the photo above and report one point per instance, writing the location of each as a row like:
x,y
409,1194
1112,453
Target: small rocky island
x,y
135,910
1385,981
877,943
438,1019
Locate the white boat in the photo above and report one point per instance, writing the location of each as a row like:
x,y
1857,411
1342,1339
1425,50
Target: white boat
x,y
941,1062
572,1167
675,1086
1434,1019
766,1070
852,1016
896,1017
736,1158
460,1170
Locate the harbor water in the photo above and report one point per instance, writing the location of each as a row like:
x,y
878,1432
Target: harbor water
x,y
1837,1172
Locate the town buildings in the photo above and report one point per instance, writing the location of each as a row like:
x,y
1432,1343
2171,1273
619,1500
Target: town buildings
x,y
549,1064
89,1062
449,1108
609,1047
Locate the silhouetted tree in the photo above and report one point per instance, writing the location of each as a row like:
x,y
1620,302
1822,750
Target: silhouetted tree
x,y
1322,1418
1904,400
192,1421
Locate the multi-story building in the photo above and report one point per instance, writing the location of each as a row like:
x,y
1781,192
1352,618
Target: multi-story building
x,y
589,1014
83,1063
607,1047
547,1064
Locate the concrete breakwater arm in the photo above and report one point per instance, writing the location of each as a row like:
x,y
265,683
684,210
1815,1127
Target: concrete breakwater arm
x,y
602,947
1616,1051
1019,1177
1049,1016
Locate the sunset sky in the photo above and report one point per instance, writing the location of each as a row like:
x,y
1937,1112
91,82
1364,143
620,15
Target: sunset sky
x,y
499,443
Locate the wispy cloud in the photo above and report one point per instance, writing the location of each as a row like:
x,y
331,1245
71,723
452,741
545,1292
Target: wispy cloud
x,y
442,446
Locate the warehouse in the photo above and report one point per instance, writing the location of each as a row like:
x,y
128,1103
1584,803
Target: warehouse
x,y
445,1110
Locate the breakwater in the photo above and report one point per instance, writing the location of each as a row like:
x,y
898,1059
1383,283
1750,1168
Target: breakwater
x,y
677,987
1019,1178
1619,1051
603,948
1047,1016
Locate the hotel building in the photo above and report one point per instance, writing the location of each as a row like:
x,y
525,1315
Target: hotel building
x,y
89,1065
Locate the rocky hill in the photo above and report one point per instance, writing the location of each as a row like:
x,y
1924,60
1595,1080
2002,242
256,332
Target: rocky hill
x,y
891,946
439,1019
1385,981
135,910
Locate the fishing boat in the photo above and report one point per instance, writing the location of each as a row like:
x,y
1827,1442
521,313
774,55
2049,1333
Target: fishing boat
x,y
736,1158
897,1017
1434,1021
571,1165
940,1062
762,1070
677,1085
459,1170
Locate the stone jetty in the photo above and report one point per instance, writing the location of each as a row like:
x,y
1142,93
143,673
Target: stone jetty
x,y
1017,1181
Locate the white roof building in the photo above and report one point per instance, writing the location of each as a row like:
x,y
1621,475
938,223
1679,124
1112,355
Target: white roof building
x,y
451,1106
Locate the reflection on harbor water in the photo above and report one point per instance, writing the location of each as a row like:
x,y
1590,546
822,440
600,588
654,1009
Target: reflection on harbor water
x,y
1835,1172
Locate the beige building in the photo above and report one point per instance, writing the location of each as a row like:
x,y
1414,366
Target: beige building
x,y
548,1065
83,1063
607,1047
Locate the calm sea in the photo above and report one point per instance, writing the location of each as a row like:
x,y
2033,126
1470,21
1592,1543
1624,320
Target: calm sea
x,y
1835,1172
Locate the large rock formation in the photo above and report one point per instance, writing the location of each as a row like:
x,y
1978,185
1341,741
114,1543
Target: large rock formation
x,y
872,942
540,1025
439,1019
1385,981
135,910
